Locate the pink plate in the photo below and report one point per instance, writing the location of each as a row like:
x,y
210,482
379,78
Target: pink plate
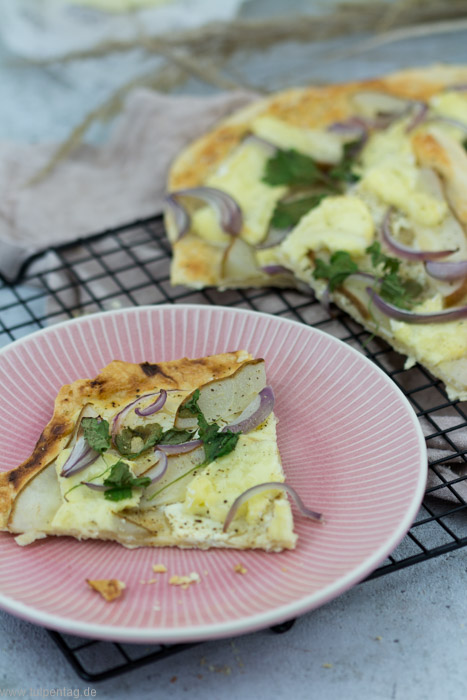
x,y
350,443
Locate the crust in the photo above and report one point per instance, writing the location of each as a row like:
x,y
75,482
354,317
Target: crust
x,y
312,107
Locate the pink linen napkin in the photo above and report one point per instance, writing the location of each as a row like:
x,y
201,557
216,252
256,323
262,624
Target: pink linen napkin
x,y
100,187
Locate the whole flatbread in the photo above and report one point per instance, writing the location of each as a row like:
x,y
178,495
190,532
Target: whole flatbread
x,y
199,262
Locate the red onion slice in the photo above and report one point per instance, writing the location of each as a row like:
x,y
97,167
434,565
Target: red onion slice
x,y
273,238
181,448
227,209
268,486
118,418
404,251
356,126
153,407
255,413
180,214
275,270
80,457
161,464
412,316
362,125
95,487
447,271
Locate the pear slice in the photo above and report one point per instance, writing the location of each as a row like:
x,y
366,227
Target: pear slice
x,y
225,398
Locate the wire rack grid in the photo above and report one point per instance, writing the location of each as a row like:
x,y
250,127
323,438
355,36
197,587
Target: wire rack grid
x,y
129,266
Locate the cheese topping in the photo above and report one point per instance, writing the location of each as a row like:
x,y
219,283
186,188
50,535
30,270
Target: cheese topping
x,y
241,177
254,460
390,171
338,223
324,146
433,342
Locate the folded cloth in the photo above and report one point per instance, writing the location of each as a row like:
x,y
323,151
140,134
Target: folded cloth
x,y
446,455
100,187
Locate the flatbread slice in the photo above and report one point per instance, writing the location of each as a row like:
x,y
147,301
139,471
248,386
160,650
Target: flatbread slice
x,y
93,471
353,190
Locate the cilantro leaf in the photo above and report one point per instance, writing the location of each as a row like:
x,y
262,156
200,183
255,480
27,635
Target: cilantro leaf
x,y
288,214
344,170
393,288
175,436
150,434
216,444
399,292
294,169
389,264
96,433
464,143
339,268
121,481
118,494
191,406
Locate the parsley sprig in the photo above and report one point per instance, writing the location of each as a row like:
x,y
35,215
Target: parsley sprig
x,y
151,434
392,287
297,170
216,443
344,171
340,266
289,213
121,482
96,433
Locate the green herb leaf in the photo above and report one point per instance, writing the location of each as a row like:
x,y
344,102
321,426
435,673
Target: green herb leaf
x,y
290,168
191,406
218,444
121,481
118,494
289,213
378,258
296,170
464,143
96,433
393,288
344,170
340,266
150,434
399,292
175,436
215,443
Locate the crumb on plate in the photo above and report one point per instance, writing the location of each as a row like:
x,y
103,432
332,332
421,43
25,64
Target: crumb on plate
x,y
184,581
240,569
159,568
109,588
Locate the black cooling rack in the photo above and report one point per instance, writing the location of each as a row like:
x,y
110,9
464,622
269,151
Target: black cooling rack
x,y
129,266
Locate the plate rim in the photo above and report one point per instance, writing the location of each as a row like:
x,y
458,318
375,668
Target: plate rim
x,y
249,623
